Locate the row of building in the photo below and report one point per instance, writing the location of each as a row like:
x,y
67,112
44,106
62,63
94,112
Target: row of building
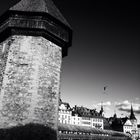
x,y
126,124
80,116
83,116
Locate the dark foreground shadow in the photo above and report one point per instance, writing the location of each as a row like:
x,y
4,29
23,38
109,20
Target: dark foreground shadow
x,y
28,132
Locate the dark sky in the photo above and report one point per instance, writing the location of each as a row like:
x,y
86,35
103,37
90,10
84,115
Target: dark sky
x,y
105,52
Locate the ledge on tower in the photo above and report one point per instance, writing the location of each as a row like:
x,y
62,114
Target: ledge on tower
x,y
37,18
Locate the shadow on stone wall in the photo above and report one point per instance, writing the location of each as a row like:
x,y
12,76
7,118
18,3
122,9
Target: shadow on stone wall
x,y
28,132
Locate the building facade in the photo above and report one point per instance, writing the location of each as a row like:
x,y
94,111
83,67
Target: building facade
x,y
128,127
65,113
127,124
134,124
80,116
138,131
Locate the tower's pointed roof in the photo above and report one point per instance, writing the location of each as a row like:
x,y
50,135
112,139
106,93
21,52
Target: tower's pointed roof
x,y
46,6
102,109
36,18
132,116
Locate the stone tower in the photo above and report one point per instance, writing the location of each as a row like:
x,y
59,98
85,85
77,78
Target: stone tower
x,y
34,37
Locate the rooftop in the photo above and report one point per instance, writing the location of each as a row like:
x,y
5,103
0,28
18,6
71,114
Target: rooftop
x,y
85,112
45,6
75,128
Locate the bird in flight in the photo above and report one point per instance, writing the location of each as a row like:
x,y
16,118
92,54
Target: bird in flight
x,y
105,87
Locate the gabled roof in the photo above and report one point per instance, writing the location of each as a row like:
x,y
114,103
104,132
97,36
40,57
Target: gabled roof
x,y
124,120
128,122
46,6
85,112
66,105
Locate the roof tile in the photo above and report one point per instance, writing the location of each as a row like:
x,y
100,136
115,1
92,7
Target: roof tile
x,y
46,6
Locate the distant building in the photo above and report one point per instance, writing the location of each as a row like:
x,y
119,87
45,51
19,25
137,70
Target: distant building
x,y
138,131
65,113
127,124
81,116
75,119
128,127
134,124
107,125
116,123
89,117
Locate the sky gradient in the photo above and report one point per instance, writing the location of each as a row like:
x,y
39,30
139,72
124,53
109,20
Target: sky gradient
x,y
105,52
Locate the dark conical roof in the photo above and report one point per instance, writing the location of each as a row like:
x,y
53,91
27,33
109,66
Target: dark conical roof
x,y
102,109
37,18
132,116
46,6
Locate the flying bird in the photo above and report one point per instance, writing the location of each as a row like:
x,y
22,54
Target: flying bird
x,y
105,87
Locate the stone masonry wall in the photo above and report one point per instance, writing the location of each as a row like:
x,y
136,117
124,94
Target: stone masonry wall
x,y
29,81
